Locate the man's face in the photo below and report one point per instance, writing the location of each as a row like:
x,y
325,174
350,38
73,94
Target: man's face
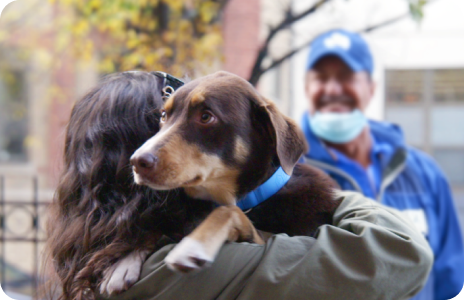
x,y
331,86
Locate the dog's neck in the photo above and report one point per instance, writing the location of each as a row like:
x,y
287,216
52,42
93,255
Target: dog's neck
x,y
265,190
213,193
272,180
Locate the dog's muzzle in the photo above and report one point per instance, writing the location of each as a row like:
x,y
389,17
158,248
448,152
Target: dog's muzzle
x,y
144,164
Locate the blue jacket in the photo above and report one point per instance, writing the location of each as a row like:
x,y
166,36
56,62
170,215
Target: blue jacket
x,y
409,180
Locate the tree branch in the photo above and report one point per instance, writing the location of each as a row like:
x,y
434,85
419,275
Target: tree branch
x,y
258,71
289,19
385,23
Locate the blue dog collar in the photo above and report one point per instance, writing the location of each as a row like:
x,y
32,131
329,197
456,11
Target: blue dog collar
x,y
265,191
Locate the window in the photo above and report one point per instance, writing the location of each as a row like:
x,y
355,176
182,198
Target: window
x,y
13,117
449,85
404,86
429,106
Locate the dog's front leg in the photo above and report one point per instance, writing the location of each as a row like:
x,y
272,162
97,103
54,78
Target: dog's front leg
x,y
197,250
123,274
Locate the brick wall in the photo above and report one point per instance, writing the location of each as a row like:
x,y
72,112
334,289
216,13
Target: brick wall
x,y
241,29
60,111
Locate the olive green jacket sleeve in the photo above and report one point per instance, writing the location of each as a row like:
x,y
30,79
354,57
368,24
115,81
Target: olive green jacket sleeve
x,y
371,252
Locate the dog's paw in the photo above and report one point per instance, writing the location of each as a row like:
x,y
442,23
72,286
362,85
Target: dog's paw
x,y
122,275
189,255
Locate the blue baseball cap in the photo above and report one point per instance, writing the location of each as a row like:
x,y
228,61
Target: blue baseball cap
x,y
348,46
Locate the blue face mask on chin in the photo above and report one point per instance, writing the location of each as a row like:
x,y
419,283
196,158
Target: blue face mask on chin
x,y
338,128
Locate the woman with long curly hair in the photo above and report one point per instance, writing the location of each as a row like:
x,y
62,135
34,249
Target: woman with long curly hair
x,y
99,214
99,217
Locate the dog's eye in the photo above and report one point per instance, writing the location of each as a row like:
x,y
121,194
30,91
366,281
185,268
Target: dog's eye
x,y
163,116
206,118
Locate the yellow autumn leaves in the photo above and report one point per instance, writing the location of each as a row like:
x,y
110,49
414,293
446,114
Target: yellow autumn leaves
x,y
176,36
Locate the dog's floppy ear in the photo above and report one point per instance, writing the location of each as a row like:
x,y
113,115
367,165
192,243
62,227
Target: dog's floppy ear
x,y
290,140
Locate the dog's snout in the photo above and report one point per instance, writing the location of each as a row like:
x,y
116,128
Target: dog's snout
x,y
143,162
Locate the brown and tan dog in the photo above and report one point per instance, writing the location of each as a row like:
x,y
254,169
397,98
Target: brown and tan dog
x,y
220,140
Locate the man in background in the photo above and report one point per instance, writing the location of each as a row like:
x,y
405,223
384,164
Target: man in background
x,y
372,157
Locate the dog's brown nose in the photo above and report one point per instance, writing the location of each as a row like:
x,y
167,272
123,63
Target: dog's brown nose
x,y
143,162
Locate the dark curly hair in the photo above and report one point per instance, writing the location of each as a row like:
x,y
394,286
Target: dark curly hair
x,y
99,214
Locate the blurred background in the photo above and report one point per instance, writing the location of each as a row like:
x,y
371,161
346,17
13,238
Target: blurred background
x,y
52,52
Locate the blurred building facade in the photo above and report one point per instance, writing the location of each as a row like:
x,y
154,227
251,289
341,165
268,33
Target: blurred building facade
x,y
35,104
423,86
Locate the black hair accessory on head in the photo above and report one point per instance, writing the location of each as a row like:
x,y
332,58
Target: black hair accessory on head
x,y
170,83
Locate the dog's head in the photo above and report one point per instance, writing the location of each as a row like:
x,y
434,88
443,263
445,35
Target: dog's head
x,y
218,139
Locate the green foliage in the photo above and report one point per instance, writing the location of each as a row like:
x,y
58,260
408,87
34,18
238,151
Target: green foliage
x,y
176,36
171,35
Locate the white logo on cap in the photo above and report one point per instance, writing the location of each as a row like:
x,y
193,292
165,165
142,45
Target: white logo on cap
x,y
337,40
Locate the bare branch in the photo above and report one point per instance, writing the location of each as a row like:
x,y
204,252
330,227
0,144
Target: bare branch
x,y
289,19
259,71
385,23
